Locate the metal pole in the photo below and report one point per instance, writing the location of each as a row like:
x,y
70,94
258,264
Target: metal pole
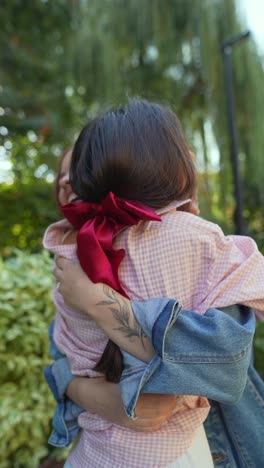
x,y
230,100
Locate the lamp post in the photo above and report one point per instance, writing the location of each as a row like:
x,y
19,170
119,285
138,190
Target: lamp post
x,y
226,49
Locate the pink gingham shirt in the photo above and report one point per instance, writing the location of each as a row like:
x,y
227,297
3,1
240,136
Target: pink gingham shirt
x,y
183,257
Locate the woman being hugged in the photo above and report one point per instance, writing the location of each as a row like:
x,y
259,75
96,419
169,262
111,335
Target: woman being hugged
x,y
135,177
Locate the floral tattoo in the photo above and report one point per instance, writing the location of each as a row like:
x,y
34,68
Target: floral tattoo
x,y
120,311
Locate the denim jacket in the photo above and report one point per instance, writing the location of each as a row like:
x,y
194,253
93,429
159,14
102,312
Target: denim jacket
x,y
236,432
215,346
206,355
224,344
58,376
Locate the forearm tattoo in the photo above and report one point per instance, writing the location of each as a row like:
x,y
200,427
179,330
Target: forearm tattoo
x,y
120,311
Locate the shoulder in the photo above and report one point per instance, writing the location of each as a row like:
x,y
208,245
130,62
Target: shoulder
x,y
179,233
190,227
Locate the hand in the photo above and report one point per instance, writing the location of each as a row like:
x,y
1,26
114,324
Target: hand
x,y
153,411
195,205
192,206
103,398
77,289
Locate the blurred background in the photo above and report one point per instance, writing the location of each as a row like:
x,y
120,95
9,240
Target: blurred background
x,y
61,61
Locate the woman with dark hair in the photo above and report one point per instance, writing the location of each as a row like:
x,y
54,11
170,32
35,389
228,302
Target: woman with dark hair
x,y
163,406
126,164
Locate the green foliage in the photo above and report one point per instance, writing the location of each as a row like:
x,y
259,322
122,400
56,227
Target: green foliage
x,y
34,65
61,62
259,348
26,403
32,209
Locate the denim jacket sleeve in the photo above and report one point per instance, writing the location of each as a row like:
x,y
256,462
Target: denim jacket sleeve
x,y
65,420
206,355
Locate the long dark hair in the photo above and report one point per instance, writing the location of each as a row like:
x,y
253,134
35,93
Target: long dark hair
x,y
139,153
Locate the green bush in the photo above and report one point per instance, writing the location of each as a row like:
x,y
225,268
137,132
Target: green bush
x,y
26,403
259,348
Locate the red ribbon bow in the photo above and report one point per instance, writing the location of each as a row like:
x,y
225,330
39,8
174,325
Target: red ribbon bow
x,y
97,224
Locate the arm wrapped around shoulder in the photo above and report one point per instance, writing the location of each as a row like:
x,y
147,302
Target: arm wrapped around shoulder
x,y
205,355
